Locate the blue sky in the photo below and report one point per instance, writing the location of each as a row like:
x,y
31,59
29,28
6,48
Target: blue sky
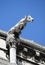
x,y
11,11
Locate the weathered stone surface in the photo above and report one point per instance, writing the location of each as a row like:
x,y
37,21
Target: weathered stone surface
x,y
5,62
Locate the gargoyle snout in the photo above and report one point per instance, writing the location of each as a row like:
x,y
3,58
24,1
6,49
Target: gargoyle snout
x,y
32,19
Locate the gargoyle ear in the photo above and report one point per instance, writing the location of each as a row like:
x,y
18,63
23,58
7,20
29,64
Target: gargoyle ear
x,y
25,17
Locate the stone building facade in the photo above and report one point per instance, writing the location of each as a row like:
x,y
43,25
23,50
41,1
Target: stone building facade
x,y
25,55
15,50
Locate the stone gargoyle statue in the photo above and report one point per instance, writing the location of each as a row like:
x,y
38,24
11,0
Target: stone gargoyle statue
x,y
20,26
12,36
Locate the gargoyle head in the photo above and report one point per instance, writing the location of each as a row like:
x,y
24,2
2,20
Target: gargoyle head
x,y
29,18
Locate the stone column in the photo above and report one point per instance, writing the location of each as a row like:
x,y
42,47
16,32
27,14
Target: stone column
x,y
11,42
13,54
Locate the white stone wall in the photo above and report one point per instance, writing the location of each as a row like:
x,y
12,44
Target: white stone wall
x,y
3,46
